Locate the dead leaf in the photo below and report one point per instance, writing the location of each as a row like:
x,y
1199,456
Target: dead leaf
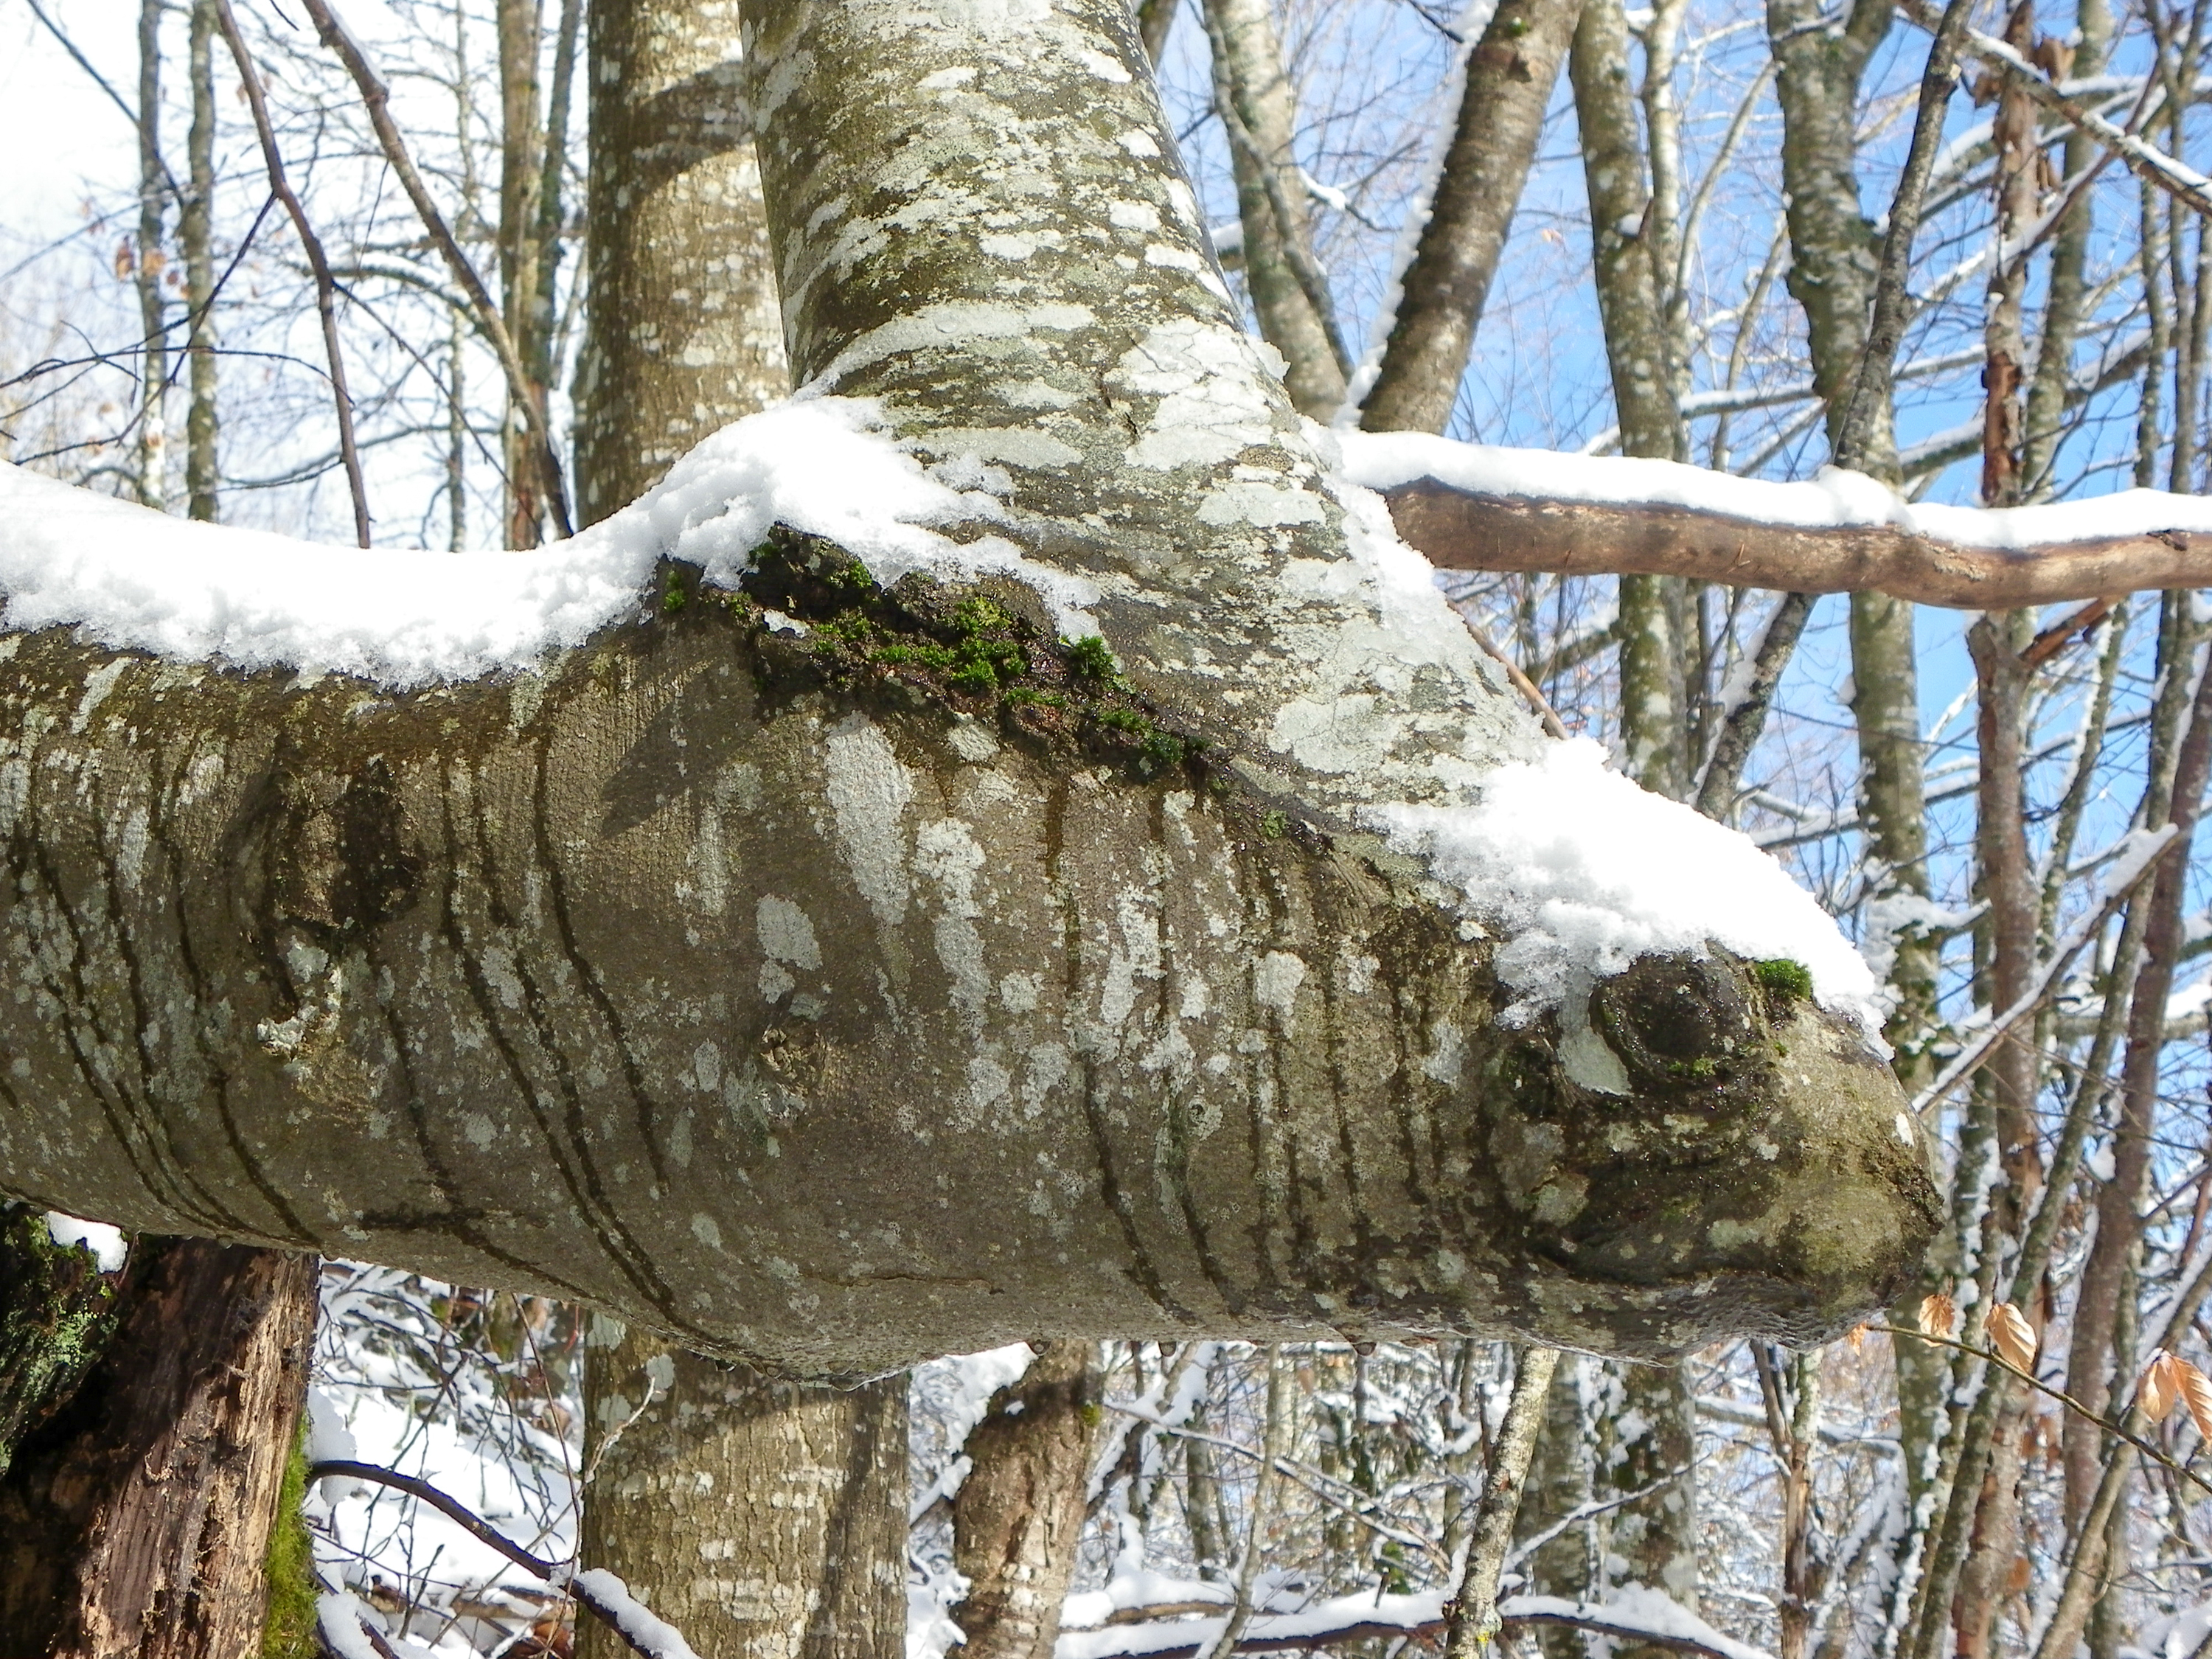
x,y
2014,1339
2159,1388
2196,1395
1857,1337
1939,1314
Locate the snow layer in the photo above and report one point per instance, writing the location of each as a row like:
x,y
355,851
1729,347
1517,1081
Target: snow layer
x,y
129,576
1582,872
640,1628
109,1248
1835,500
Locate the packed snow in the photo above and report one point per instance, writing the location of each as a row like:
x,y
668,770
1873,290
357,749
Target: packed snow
x,y
128,576
109,1249
1835,500
1583,872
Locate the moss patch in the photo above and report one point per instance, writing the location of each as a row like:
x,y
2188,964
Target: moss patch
x,y
1784,980
986,652
56,1313
288,1630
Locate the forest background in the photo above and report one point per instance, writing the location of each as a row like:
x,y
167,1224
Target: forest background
x,y
1688,275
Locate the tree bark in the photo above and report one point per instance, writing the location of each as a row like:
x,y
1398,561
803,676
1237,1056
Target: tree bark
x,y
681,319
1019,1516
763,1518
1508,77
670,978
520,29
136,1521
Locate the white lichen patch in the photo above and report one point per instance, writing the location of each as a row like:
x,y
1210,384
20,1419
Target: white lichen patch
x,y
869,788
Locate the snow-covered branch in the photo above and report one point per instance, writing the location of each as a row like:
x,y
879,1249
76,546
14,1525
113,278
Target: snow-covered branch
x,y
1470,507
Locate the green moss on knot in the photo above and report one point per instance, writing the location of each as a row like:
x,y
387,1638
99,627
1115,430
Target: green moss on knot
x,y
1784,980
1090,658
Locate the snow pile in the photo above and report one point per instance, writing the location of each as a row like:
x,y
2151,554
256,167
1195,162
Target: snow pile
x,y
109,1249
1582,872
131,577
1834,500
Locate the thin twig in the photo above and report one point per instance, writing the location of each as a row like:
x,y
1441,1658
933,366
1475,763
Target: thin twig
x,y
1475,1619
376,99
561,1577
325,287
1521,682
1970,1059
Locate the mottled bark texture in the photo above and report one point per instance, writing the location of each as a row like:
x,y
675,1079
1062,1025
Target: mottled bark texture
x,y
135,1521
681,324
1509,74
203,474
1019,1516
763,1518
682,978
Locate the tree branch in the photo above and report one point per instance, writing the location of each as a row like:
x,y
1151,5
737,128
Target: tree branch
x,y
1470,529
375,98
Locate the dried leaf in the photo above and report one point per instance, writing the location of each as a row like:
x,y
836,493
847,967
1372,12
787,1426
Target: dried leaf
x,y
2015,1340
2159,1388
1857,1337
1939,1314
2196,1395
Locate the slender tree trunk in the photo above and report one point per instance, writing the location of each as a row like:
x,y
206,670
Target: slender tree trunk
x,y
521,178
1508,77
151,264
2066,303
203,474
135,1521
1260,107
1019,1514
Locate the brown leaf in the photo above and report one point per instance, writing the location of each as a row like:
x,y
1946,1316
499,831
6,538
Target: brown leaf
x,y
1857,1337
1939,1314
2015,1340
2159,1388
2196,1395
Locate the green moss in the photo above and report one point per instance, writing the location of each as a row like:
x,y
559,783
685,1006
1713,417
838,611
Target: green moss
x,y
1274,825
288,1631
1089,659
1784,980
673,595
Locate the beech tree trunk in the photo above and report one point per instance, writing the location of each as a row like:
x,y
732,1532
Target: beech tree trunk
x,y
516,935
136,1520
764,1518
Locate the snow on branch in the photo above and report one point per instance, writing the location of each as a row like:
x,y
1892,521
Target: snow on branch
x,y
1470,507
1645,1617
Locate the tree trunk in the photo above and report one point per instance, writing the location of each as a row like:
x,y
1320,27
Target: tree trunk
x,y
57,1310
136,1521
682,325
203,474
713,976
763,1518
521,177
1509,75
1019,1514
146,270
